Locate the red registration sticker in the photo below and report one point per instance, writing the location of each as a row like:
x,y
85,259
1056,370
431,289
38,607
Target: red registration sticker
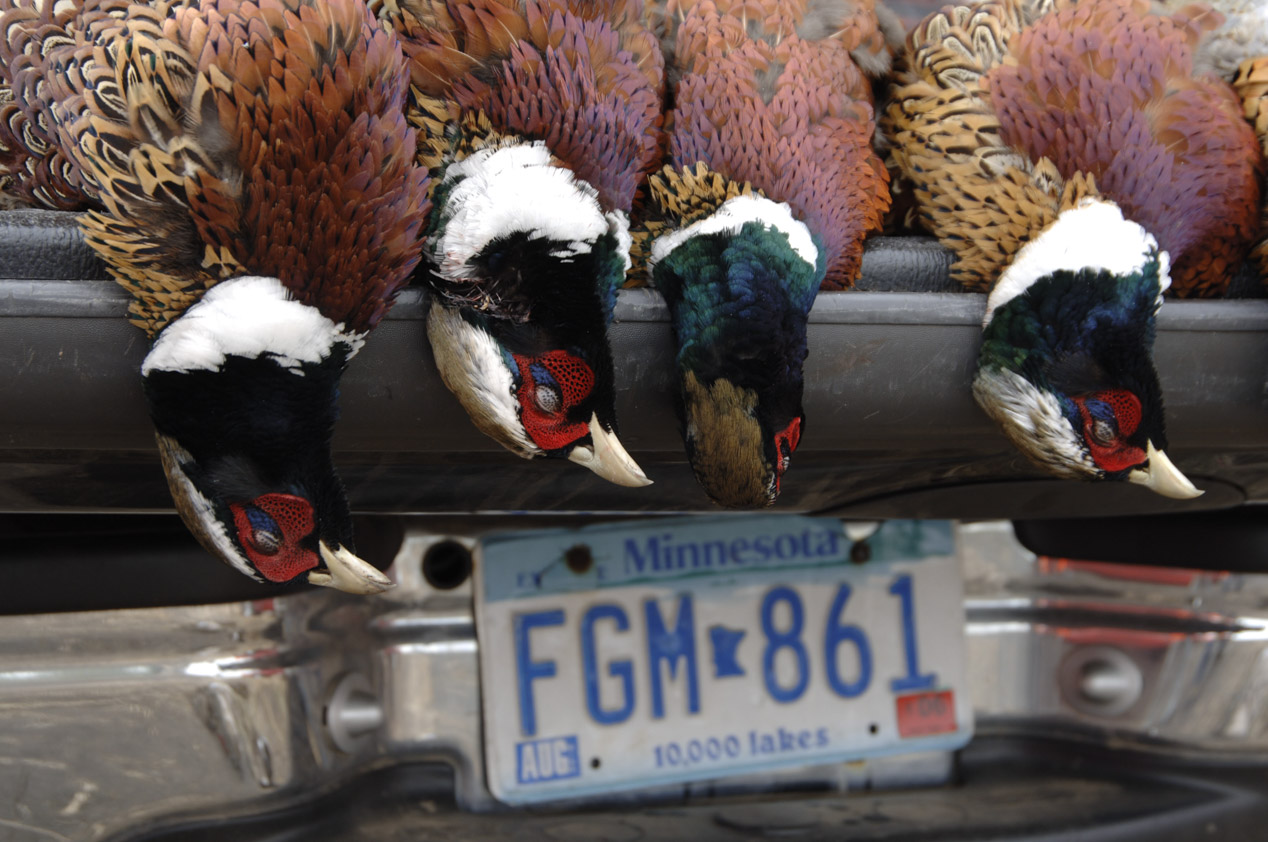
x,y
923,714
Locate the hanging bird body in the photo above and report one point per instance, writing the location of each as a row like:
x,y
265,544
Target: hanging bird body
x,y
771,188
1236,49
1251,84
249,179
539,120
1078,169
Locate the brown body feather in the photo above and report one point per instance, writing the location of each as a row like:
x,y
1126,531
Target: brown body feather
x,y
1251,85
33,167
1011,111
770,100
583,76
229,138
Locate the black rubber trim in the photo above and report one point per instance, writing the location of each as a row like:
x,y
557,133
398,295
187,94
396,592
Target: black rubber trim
x,y
1234,540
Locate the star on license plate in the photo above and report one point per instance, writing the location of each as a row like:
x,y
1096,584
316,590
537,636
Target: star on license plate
x,y
632,655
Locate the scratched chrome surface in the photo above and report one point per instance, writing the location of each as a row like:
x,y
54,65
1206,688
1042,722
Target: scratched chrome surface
x,y
116,722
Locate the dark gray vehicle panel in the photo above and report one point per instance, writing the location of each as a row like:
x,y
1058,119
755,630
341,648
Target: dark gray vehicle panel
x,y
892,429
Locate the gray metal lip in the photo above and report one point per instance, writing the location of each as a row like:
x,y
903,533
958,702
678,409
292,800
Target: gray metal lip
x,y
105,300
62,299
892,429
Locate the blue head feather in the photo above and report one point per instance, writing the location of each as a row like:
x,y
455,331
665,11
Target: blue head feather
x,y
1072,334
746,292
740,302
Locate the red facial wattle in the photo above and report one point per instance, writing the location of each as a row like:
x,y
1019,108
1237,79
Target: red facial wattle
x,y
1114,455
270,529
551,385
786,439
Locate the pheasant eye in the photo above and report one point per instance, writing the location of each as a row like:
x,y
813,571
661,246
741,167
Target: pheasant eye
x,y
1108,420
1102,432
264,533
552,395
1124,405
266,542
272,529
548,399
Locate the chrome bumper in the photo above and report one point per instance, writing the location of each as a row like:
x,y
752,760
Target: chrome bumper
x,y
114,723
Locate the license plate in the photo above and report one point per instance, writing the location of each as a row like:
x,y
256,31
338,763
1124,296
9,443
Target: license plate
x,y
622,656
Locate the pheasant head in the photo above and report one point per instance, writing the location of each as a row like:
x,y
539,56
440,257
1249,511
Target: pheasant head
x,y
740,282
529,264
1066,366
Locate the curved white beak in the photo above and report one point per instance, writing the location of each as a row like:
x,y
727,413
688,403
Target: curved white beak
x,y
607,458
348,573
1162,476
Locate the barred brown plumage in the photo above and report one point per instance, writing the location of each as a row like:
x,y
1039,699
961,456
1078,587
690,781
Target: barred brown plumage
x,y
1236,49
978,129
1251,85
246,172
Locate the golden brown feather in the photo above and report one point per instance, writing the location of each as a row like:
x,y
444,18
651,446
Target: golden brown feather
x,y
996,142
1251,85
209,152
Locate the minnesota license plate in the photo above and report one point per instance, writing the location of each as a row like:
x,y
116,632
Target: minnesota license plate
x,y
632,655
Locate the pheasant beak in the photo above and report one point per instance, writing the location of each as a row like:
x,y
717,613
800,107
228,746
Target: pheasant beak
x,y
607,458
345,572
1162,476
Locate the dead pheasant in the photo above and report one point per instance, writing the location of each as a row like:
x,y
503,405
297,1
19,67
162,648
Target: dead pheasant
x,y
771,189
1079,168
249,178
1237,50
1251,84
539,120
1235,47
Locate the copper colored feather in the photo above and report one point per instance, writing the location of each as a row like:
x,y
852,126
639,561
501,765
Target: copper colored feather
x,y
769,99
584,77
1011,111
869,31
1251,85
224,138
33,167
1236,49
